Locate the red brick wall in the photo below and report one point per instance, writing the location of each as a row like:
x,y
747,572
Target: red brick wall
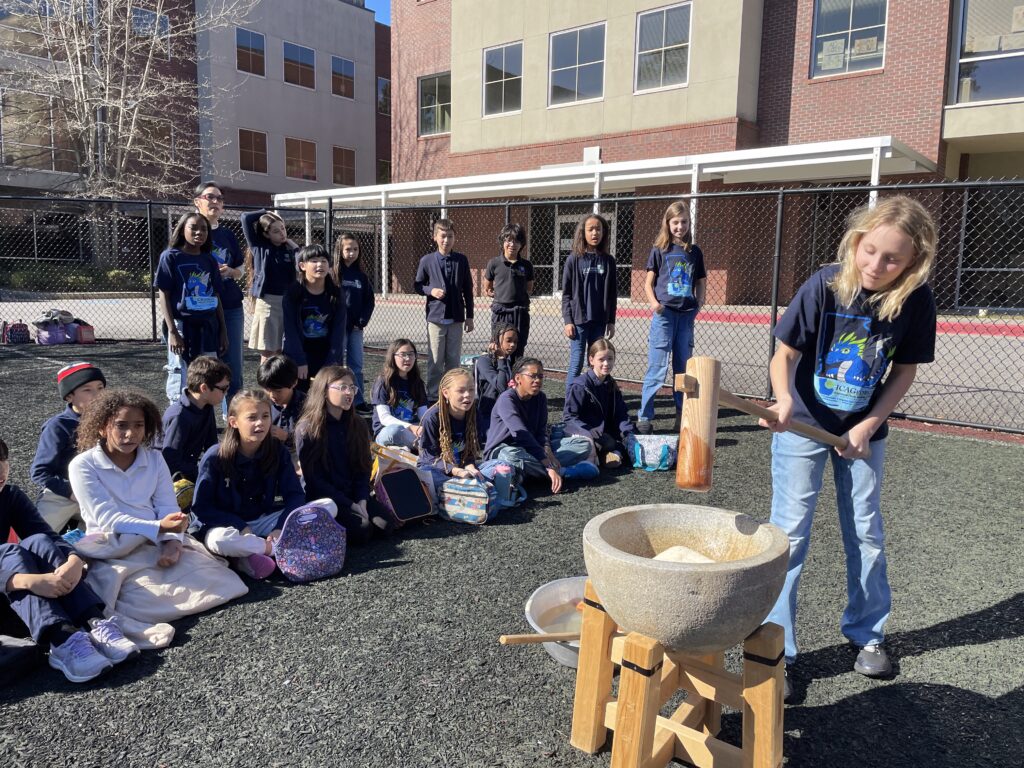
x,y
903,99
382,55
422,34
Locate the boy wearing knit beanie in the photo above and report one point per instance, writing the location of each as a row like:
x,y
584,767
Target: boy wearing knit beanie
x,y
78,384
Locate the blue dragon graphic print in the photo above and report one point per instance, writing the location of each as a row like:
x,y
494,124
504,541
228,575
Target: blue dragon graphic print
x,y
851,362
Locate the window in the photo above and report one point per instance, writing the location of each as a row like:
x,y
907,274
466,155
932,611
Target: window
x,y
383,96
383,171
146,24
250,52
343,77
436,104
299,65
30,136
503,79
252,151
991,61
577,65
21,28
344,166
662,47
849,36
300,159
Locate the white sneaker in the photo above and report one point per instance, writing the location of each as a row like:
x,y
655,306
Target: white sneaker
x,y
110,640
78,658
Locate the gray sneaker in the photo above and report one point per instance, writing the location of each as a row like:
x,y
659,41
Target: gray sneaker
x,y
78,658
109,640
873,661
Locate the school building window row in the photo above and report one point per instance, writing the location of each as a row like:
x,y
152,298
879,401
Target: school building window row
x,y
300,158
299,64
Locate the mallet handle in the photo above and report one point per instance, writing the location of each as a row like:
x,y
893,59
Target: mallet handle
x,y
550,637
730,400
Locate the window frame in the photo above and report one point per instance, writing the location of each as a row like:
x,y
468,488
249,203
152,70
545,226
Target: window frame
x,y
353,63
637,90
284,65
266,147
138,11
484,114
51,129
334,166
604,62
419,106
245,71
846,53
316,173
388,81
386,162
956,62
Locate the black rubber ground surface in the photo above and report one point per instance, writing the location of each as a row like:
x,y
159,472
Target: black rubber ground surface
x,y
396,662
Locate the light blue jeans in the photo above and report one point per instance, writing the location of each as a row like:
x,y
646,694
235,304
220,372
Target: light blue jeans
x,y
354,360
568,450
671,334
396,435
586,335
798,466
234,322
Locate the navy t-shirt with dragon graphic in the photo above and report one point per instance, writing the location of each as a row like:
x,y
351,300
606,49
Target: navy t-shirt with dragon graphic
x,y
846,350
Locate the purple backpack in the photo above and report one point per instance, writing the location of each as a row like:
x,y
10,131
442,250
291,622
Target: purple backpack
x,y
51,333
312,543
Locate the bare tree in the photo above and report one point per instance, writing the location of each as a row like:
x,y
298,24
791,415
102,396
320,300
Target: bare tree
x,y
105,91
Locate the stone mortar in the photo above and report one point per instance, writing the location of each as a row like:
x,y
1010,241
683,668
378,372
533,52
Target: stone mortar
x,y
696,608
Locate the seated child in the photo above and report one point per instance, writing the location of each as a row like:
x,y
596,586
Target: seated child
x,y
494,372
399,397
279,377
519,432
42,579
450,443
595,410
333,444
239,482
79,384
190,424
121,481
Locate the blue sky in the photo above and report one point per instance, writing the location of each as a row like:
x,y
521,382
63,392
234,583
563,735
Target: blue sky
x,y
381,9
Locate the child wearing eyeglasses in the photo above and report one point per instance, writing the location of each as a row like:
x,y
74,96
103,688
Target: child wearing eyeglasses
x,y
399,397
333,444
190,423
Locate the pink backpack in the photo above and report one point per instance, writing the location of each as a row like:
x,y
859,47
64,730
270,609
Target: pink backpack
x,y
311,545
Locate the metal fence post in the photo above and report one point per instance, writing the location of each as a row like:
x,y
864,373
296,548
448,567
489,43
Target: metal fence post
x,y
776,269
385,283
329,226
152,267
960,248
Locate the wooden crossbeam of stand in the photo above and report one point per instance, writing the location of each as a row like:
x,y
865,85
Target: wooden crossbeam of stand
x,y
649,676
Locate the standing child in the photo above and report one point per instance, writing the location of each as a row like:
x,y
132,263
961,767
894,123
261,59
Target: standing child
x,y
314,315
79,384
399,397
43,581
844,328
239,482
122,483
334,452
675,287
209,201
279,377
271,264
493,372
188,278
359,302
443,277
519,432
588,292
190,424
595,410
509,281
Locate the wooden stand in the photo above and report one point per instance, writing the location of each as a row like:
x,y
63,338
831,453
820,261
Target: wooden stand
x,y
649,676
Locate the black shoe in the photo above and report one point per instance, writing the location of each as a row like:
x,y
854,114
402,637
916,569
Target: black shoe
x,y
644,427
873,661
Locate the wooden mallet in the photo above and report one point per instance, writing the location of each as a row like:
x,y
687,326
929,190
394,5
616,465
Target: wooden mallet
x,y
703,393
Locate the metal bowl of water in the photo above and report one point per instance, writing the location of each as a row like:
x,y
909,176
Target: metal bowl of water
x,y
552,608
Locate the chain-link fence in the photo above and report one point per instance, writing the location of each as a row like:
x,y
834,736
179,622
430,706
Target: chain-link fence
x,y
95,259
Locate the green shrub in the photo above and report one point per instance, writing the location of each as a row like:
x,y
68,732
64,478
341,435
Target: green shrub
x,y
30,280
119,280
79,283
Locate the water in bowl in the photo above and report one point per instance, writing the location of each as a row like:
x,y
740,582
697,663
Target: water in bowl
x,y
561,618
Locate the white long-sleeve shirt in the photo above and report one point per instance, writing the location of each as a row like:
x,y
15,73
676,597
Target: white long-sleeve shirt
x,y
134,500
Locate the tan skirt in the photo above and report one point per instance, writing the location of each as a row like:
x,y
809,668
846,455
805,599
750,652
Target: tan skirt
x,y
267,331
